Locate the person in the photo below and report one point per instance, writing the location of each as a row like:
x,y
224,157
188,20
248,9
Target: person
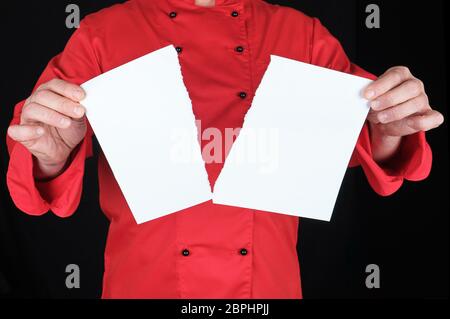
x,y
224,48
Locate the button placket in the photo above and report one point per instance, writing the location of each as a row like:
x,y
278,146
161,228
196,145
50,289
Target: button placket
x,y
188,257
242,50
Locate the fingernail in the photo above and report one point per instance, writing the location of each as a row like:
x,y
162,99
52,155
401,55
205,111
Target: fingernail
x,y
79,94
370,94
383,118
375,105
78,110
40,131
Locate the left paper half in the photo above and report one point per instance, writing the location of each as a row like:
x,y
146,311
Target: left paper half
x,y
142,116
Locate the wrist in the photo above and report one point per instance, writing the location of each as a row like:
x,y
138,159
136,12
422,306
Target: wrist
x,y
384,147
43,170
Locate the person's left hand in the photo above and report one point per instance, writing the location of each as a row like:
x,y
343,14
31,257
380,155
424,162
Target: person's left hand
x,y
399,104
399,107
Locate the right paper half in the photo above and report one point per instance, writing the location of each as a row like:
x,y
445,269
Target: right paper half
x,y
296,143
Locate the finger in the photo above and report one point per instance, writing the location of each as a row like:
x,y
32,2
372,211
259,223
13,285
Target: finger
x,y
373,117
413,124
58,103
38,113
398,128
69,90
25,133
389,80
416,105
425,122
402,93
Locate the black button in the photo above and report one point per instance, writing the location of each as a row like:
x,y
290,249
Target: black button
x,y
173,14
239,49
244,252
185,252
179,49
234,14
242,95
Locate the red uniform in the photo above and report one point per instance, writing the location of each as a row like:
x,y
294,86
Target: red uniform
x,y
224,52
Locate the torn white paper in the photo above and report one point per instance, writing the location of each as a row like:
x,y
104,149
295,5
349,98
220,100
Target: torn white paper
x,y
311,118
136,112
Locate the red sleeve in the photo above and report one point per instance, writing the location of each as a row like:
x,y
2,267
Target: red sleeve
x,y
414,159
76,64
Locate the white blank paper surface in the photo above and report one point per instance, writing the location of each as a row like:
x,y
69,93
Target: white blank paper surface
x,y
296,142
141,114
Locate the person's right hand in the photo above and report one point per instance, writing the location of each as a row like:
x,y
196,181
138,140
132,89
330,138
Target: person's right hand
x,y
52,124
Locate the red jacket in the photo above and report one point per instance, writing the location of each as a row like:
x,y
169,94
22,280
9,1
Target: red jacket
x,y
208,251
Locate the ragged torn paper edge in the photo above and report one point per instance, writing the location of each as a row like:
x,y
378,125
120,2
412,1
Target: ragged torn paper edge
x,y
146,198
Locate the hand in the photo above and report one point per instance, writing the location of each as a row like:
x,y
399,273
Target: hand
x,y
52,124
399,107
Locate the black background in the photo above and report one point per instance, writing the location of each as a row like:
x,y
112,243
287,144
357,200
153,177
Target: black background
x,y
405,234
